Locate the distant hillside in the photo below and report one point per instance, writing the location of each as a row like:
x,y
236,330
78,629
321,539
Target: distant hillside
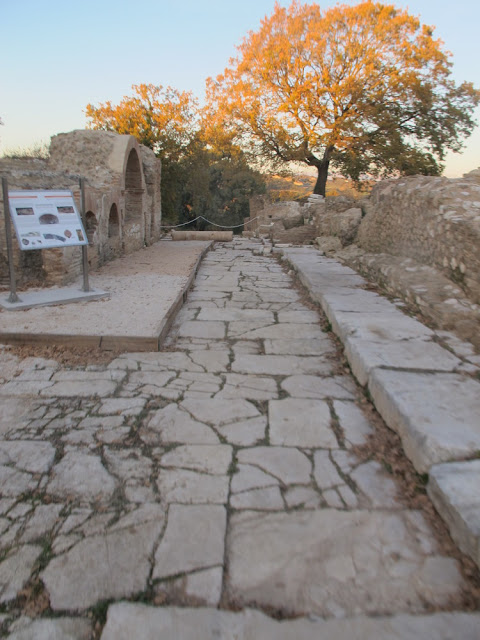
x,y
299,186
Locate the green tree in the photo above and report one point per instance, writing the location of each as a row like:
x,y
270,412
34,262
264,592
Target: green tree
x,y
366,87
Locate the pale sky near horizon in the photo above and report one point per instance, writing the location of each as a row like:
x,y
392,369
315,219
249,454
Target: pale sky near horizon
x,y
59,55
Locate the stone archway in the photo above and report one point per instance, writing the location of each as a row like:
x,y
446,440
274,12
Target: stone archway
x,y
133,188
113,222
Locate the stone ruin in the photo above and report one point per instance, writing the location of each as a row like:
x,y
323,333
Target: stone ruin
x,y
122,201
417,237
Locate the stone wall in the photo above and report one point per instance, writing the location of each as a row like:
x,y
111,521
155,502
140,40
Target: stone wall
x,y
434,221
122,201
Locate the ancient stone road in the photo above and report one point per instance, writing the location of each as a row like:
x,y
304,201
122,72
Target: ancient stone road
x,y
216,474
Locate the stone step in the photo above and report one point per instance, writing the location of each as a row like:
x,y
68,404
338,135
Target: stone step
x,y
455,491
126,621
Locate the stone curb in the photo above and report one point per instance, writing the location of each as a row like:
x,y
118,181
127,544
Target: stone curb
x,y
126,621
416,386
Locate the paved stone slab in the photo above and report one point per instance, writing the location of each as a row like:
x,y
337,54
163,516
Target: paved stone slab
x,y
299,346
15,415
264,499
100,567
245,433
248,387
285,331
419,355
373,327
81,475
197,329
189,487
27,455
194,539
57,629
301,423
304,386
126,621
172,424
288,465
455,491
354,424
214,459
280,365
325,473
436,415
334,563
220,411
15,570
375,483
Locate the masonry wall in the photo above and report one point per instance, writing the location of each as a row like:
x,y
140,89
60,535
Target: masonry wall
x,y
434,221
122,201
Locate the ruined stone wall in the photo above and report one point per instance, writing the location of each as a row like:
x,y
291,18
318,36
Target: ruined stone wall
x,y
122,201
434,221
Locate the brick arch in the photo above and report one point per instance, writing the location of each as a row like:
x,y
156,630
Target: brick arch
x,y
91,224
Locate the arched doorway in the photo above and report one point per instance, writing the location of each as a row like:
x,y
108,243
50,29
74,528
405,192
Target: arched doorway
x,y
113,222
133,188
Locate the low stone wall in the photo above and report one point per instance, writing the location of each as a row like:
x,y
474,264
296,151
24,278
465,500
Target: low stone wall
x,y
434,221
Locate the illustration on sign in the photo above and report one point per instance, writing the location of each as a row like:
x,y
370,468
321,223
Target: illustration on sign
x,y
46,219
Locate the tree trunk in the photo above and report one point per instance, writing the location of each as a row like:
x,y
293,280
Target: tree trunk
x,y
321,183
322,169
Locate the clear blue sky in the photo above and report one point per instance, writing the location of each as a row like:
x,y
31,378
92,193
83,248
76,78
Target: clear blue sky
x,y
59,55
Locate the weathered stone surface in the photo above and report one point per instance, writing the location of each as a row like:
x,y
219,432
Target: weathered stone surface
x,y
197,329
246,432
249,387
189,487
265,499
364,356
355,426
15,570
454,490
172,424
57,629
299,346
340,563
43,521
288,465
81,475
220,411
436,415
113,565
373,480
280,365
14,482
14,415
75,388
304,386
194,539
301,423
214,459
214,361
126,621
325,473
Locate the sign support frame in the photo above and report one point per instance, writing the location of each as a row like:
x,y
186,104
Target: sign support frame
x,y
13,297
86,284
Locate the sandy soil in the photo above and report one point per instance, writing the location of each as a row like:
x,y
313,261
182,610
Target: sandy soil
x,y
143,287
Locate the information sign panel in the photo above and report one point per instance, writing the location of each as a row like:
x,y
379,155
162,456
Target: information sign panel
x,y
46,219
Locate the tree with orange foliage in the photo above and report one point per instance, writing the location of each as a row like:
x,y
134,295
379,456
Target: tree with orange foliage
x,y
366,87
164,119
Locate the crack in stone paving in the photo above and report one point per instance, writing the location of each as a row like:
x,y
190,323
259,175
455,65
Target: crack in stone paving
x,y
220,472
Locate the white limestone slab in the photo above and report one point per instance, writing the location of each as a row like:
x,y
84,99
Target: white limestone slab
x,y
189,487
435,414
364,355
214,459
194,539
306,386
219,411
280,365
302,423
455,491
288,465
128,620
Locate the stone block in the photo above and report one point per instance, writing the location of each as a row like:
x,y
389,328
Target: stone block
x,y
455,491
435,414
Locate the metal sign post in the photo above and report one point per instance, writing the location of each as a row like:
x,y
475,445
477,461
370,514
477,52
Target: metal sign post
x,y
86,286
8,235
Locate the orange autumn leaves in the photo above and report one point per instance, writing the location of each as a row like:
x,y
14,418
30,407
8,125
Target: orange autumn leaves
x,y
313,85
163,119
